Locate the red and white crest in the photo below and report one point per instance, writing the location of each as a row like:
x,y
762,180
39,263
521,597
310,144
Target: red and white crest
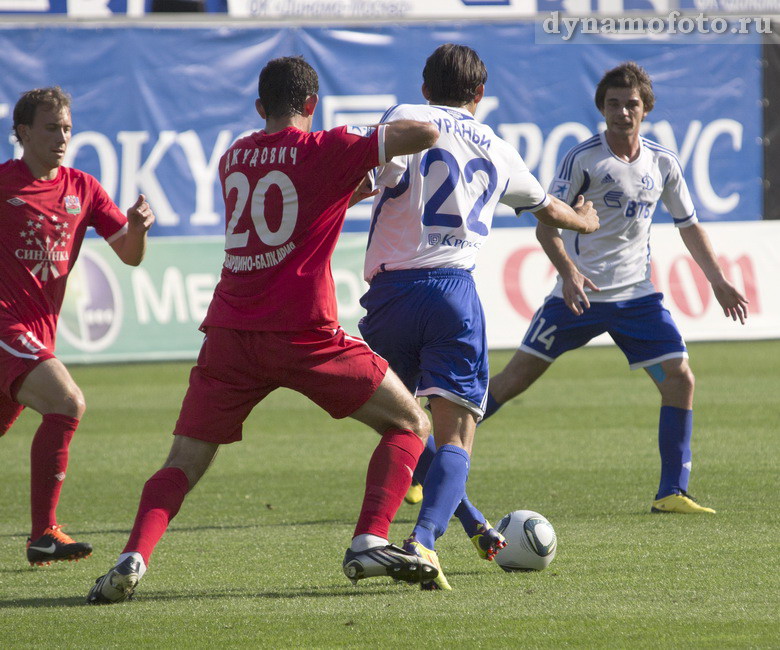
x,y
72,204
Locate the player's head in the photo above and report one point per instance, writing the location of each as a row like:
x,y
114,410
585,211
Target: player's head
x,y
286,88
626,75
38,100
454,75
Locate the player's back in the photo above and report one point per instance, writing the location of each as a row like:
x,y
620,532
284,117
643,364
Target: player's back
x,y
285,198
435,208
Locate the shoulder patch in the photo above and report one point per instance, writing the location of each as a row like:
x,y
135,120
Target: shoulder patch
x,y
560,189
363,131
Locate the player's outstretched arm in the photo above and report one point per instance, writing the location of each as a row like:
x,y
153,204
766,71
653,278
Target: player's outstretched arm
x,y
404,137
574,282
734,304
131,247
581,218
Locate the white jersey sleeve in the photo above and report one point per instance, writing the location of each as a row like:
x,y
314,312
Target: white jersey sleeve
x,y
523,192
675,195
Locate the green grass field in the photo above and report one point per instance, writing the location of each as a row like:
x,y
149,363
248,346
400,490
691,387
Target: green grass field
x,y
254,557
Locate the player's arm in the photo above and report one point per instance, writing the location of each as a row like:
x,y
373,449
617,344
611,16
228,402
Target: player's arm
x,y
131,246
677,199
574,282
697,242
582,217
404,137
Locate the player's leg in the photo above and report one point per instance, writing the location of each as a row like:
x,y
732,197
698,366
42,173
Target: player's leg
x,y
553,330
675,381
10,410
222,392
392,300
49,389
647,334
162,497
394,413
519,374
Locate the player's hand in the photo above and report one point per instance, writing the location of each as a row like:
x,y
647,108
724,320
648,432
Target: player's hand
x,y
733,302
590,218
574,295
362,191
140,216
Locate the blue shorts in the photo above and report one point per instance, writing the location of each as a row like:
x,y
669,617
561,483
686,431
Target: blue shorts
x,y
429,325
642,328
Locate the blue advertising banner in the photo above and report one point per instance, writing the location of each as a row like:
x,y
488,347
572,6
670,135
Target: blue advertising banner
x,y
155,107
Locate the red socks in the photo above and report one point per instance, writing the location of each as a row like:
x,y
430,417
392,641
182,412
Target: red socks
x,y
161,499
389,477
48,462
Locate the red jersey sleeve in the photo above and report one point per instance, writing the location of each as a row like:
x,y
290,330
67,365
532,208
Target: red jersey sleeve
x,y
104,216
351,152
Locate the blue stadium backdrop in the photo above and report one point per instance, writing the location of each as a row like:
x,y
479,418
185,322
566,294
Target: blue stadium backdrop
x,y
155,107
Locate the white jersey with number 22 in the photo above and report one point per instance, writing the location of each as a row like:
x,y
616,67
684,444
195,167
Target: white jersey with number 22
x,y
435,208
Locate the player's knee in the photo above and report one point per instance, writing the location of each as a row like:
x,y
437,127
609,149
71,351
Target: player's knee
x,y
72,403
418,422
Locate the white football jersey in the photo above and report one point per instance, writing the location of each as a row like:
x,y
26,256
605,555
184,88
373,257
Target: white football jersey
x,y
435,208
617,256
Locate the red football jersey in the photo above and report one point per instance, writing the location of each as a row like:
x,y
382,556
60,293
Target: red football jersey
x,y
42,225
286,194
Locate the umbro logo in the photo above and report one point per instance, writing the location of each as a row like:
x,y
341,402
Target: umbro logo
x,y
607,179
16,201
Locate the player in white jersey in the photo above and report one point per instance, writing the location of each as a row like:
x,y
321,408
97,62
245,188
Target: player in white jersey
x,y
432,214
604,278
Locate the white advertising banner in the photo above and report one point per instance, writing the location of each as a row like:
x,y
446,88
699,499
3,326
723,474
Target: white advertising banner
x,y
514,276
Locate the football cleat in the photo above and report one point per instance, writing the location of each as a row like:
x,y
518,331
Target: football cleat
x,y
488,541
388,561
117,585
682,503
414,494
438,581
54,546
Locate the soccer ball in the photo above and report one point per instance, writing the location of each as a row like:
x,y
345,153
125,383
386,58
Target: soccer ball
x,y
531,541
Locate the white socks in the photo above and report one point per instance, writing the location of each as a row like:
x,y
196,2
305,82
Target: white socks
x,y
137,556
365,542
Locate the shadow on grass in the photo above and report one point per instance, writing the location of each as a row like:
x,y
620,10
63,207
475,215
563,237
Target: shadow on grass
x,y
161,596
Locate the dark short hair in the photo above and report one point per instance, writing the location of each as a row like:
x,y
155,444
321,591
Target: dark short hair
x,y
53,97
285,84
452,75
627,75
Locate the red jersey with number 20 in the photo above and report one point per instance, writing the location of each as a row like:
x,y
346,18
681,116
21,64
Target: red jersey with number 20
x,y
286,194
42,225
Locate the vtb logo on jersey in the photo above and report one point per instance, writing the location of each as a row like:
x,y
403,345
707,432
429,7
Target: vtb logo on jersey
x,y
72,204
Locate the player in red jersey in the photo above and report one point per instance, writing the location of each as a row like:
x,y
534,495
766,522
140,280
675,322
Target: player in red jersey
x,y
45,210
272,323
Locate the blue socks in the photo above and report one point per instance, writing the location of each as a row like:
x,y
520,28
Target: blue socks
x,y
674,442
444,488
469,516
426,458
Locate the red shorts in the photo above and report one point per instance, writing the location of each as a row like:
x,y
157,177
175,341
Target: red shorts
x,y
236,369
20,352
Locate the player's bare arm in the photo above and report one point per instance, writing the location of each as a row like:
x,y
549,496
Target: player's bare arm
x,y
574,282
364,190
131,247
404,137
734,304
581,218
